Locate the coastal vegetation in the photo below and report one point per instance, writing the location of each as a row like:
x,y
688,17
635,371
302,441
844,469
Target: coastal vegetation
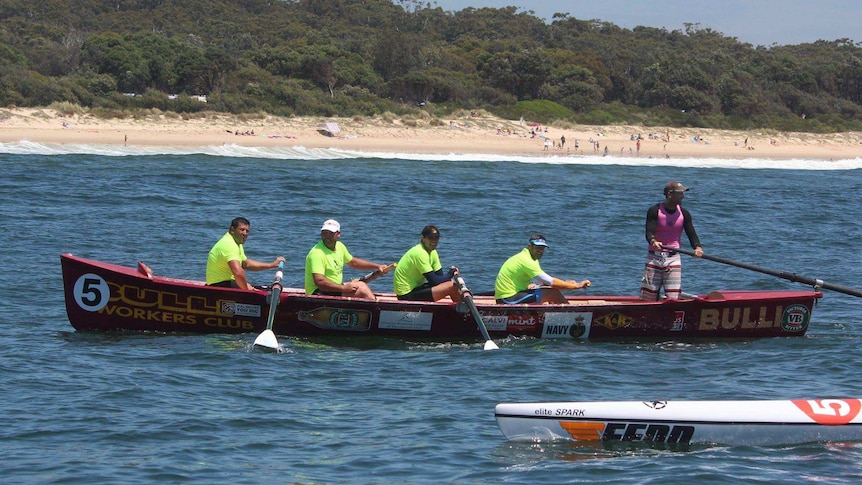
x,y
374,57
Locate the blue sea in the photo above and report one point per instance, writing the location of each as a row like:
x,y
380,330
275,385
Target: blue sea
x,y
146,409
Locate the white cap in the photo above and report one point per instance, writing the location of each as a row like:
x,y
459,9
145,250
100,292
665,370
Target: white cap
x,y
331,225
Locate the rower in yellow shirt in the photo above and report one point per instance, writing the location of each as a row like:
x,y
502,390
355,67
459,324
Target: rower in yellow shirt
x,y
324,266
419,275
513,284
227,262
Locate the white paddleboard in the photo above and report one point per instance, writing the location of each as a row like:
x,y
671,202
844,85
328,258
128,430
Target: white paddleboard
x,y
744,423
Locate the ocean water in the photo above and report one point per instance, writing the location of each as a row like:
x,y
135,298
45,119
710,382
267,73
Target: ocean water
x,y
143,408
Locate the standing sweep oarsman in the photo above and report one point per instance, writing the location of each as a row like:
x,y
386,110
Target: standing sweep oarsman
x,y
665,222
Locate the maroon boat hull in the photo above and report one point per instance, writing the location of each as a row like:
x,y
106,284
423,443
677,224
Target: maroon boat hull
x,y
106,297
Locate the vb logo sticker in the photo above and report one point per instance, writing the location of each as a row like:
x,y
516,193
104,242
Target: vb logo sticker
x,y
795,318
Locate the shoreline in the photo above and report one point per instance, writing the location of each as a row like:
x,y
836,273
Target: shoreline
x,y
480,134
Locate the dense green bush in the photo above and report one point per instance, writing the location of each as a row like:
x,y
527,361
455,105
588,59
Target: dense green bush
x,y
344,58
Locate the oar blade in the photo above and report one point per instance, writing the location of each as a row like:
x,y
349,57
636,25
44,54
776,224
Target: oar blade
x,y
467,297
266,340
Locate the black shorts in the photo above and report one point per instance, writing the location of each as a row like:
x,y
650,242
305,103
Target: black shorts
x,y
420,293
528,296
225,284
326,293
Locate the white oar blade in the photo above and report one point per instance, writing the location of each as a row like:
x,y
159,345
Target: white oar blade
x,y
490,345
266,339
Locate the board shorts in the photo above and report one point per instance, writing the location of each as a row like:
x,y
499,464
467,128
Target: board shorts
x,y
662,270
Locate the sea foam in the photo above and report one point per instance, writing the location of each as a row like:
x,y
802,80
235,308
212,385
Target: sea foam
x,y
25,147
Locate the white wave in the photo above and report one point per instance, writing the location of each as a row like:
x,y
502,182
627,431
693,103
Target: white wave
x,y
597,160
25,147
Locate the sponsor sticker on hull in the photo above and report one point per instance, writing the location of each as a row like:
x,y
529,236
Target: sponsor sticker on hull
x,y
678,321
510,322
337,319
615,320
567,325
239,309
495,323
795,318
405,320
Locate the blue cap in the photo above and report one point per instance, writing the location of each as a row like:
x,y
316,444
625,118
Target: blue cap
x,y
539,241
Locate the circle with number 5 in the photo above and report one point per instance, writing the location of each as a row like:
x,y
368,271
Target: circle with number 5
x,y
91,292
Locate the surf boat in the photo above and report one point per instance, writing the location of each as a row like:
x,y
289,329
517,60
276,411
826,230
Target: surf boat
x,y
734,423
101,296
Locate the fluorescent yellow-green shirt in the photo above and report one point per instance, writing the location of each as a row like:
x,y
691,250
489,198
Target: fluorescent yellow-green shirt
x,y
325,261
224,251
411,269
515,274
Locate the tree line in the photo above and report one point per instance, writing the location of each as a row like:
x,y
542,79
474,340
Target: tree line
x,y
369,57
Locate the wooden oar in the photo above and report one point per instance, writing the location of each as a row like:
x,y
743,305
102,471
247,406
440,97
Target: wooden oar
x,y
267,338
816,283
468,299
376,274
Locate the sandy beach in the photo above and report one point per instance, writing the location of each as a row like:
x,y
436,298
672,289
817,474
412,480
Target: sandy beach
x,y
472,133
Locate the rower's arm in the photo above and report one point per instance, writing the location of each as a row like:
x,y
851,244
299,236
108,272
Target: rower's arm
x,y
570,284
239,274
